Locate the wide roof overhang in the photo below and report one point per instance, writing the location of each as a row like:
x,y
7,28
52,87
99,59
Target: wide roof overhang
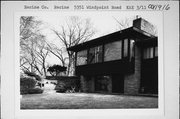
x,y
131,32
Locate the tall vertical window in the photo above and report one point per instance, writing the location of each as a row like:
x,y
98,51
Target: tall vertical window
x,y
81,58
125,47
91,56
148,53
131,49
112,51
95,55
156,51
98,54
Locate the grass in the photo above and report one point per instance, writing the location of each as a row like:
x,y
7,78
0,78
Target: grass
x,y
85,101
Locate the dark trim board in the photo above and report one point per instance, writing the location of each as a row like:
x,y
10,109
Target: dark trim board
x,y
106,68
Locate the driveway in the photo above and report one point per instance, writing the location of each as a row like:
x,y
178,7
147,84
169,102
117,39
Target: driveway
x,y
55,100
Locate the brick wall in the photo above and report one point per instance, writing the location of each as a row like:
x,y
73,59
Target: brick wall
x,y
91,84
110,85
87,84
132,81
83,84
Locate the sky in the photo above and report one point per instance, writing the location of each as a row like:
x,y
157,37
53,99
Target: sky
x,y
103,21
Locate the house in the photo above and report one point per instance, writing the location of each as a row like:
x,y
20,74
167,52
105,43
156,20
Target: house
x,y
125,61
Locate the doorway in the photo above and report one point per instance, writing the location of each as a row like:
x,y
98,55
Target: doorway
x,y
118,83
102,83
149,80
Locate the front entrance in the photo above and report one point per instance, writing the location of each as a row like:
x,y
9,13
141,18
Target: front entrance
x,y
118,84
149,81
102,83
113,83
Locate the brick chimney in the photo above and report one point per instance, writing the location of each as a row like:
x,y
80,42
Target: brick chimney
x,y
144,25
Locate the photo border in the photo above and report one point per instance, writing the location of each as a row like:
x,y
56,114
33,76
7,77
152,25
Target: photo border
x,y
84,113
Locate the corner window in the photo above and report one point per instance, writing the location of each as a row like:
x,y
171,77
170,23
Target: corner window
x,y
112,51
150,52
81,58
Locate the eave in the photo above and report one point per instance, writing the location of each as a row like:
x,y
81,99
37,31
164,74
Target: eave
x,y
131,32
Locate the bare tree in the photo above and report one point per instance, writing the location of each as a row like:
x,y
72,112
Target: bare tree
x,y
33,58
58,52
75,31
28,28
41,55
33,51
125,23
27,25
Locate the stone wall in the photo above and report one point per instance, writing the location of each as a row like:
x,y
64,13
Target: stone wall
x,y
132,81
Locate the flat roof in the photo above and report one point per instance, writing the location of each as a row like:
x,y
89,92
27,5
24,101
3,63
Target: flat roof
x,y
131,32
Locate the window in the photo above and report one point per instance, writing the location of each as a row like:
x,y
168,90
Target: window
x,y
148,53
156,51
112,51
95,55
125,47
98,54
81,58
131,49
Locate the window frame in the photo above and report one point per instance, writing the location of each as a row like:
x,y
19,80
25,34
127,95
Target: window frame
x,y
76,63
121,48
153,53
95,54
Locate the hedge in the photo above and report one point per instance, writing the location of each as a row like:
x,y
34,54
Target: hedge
x,y
27,86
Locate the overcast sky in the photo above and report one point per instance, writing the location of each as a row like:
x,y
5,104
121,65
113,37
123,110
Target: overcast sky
x,y
103,22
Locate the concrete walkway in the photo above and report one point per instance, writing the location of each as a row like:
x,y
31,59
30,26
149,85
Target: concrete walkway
x,y
49,88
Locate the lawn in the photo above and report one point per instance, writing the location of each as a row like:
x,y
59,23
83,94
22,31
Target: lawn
x,y
85,101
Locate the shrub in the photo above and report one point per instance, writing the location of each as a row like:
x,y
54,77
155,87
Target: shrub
x,y
35,91
27,86
56,69
31,74
27,83
23,91
60,88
